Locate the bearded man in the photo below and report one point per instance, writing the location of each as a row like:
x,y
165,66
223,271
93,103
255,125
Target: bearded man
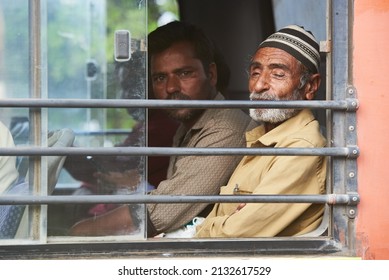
x,y
284,67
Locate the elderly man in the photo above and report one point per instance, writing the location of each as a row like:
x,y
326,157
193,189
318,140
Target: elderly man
x,y
284,67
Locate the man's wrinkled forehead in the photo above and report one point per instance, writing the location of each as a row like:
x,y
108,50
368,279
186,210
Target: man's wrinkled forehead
x,y
273,58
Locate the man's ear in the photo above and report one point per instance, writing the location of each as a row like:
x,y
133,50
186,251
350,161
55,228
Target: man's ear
x,y
212,73
312,86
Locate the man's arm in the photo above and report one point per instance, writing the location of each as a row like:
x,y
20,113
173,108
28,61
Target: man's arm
x,y
288,175
115,222
195,175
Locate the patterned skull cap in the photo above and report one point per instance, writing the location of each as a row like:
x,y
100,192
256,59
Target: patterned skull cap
x,y
299,43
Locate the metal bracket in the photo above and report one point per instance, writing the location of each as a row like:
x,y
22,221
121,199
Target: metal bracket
x,y
352,205
354,199
353,153
352,104
325,46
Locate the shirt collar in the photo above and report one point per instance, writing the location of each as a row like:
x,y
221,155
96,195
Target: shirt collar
x,y
258,137
201,122
208,113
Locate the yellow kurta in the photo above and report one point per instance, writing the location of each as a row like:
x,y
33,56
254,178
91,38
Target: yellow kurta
x,y
273,174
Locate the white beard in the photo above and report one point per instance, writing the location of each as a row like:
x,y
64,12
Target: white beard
x,y
273,115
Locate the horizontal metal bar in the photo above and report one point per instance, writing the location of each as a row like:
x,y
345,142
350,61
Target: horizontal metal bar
x,y
347,105
107,132
139,199
174,248
154,151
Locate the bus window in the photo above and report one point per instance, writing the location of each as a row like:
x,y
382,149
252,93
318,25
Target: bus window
x,y
78,109
65,51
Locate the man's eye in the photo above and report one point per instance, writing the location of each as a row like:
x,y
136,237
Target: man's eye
x,y
254,74
158,78
279,74
185,73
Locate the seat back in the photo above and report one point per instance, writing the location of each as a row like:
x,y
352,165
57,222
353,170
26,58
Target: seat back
x,y
11,215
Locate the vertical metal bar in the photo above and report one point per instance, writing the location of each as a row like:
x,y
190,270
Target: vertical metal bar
x,y
35,113
329,181
351,139
344,170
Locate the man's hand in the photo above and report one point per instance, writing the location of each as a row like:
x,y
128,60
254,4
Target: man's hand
x,y
115,222
240,206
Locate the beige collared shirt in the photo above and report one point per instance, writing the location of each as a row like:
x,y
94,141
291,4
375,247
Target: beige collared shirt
x,y
199,175
273,174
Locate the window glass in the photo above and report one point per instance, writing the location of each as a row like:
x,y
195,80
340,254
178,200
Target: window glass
x,y
14,83
64,49
295,12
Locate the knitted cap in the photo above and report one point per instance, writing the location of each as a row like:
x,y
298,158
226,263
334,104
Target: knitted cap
x,y
299,43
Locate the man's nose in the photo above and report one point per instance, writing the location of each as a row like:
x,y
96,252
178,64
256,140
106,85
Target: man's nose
x,y
172,84
261,83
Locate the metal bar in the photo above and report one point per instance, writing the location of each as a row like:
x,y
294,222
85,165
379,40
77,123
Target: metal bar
x,y
345,105
343,125
176,248
347,199
350,152
103,132
37,120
